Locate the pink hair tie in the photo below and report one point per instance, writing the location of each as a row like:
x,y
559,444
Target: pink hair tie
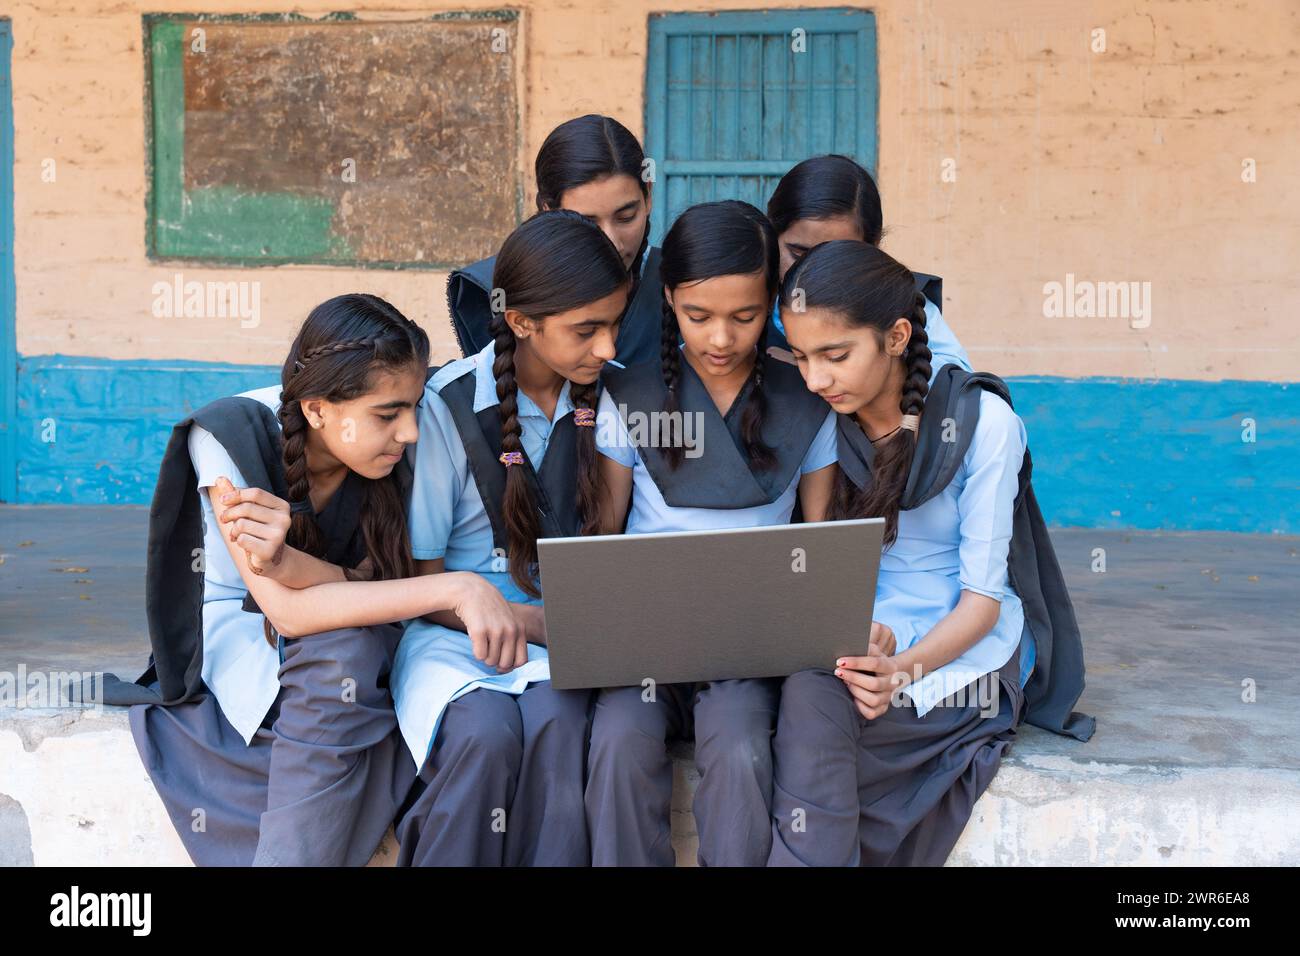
x,y
586,417
509,458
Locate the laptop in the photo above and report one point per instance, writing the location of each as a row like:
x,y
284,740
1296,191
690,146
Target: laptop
x,y
689,606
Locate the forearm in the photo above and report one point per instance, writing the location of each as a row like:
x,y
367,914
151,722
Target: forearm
x,y
533,618
815,490
337,604
446,618
959,631
615,495
613,512
530,616
298,570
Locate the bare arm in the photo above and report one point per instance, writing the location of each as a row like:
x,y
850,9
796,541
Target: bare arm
x,y
615,495
301,570
446,618
957,632
529,616
334,604
298,569
296,612
815,492
258,522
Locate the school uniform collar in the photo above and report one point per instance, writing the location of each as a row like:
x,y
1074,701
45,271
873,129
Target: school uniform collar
x,y
722,477
953,398
485,389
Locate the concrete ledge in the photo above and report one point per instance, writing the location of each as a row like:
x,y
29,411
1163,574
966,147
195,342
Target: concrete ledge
x,y
1193,677
79,793
73,793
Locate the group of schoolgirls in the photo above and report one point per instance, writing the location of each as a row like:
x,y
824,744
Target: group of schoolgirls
x,y
360,642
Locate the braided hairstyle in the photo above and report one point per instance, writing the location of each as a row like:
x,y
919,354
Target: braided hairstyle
x,y
826,186
582,150
706,241
342,344
554,262
866,287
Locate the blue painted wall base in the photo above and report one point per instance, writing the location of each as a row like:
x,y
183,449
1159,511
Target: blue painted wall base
x,y
1170,454
1109,453
93,431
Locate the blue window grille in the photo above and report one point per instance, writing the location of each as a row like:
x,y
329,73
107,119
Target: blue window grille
x,y
733,100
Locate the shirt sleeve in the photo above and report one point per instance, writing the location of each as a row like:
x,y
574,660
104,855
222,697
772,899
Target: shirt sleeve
x,y
612,439
211,460
988,498
440,471
944,347
825,448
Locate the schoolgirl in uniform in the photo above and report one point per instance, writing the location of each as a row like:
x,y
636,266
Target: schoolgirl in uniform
x,y
765,439
594,166
832,197
506,456
265,719
880,761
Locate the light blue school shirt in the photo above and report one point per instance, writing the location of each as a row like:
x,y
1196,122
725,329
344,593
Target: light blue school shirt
x,y
650,513
944,347
959,540
435,664
239,667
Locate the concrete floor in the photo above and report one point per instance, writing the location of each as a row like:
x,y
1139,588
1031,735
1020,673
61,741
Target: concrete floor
x,y
1172,629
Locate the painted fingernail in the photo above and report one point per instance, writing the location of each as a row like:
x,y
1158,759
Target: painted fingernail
x,y
839,673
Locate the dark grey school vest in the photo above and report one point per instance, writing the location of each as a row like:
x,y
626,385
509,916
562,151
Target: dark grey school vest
x,y
931,287
721,476
555,486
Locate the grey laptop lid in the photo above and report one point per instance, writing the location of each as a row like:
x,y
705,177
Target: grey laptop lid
x,y
708,605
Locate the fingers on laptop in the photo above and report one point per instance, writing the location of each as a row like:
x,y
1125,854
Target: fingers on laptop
x,y
882,636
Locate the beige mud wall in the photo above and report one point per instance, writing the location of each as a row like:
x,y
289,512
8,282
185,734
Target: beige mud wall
x,y
1120,165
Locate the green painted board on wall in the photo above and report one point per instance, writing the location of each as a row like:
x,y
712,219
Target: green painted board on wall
x,y
381,143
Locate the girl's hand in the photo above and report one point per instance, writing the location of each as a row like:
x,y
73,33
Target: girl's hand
x,y
497,636
882,638
873,679
254,519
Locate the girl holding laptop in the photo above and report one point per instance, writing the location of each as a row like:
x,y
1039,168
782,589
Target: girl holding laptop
x,y
880,759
